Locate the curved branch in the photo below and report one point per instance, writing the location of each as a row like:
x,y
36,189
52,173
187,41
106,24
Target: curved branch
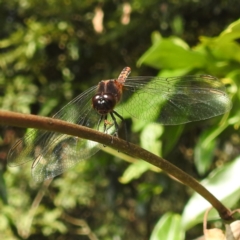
x,y
51,124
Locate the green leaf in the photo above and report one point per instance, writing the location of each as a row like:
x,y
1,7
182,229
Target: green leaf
x,y
223,47
172,53
49,105
150,138
147,190
134,171
232,32
227,51
168,228
3,190
204,149
156,36
170,137
174,72
224,184
220,51
178,24
203,153
150,141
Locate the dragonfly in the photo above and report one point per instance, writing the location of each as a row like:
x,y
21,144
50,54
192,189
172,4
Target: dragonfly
x,y
169,101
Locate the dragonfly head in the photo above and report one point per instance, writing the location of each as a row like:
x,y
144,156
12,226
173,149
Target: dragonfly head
x,y
104,103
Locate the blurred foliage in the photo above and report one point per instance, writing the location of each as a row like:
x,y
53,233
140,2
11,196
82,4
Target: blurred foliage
x,y
50,51
169,227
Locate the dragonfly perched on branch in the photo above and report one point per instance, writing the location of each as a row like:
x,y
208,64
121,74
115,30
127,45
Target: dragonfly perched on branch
x,y
170,101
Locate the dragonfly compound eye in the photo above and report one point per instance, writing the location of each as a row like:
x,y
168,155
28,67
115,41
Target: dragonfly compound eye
x,y
104,103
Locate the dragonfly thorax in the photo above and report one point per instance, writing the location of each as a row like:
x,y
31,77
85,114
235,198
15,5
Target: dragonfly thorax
x,y
104,103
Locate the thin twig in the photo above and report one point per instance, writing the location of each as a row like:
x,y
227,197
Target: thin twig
x,y
84,230
51,124
25,232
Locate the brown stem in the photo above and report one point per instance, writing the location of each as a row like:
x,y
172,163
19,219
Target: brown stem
x,y
51,124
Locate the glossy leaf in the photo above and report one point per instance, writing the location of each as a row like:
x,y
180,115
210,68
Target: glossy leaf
x,y
168,228
150,138
134,171
224,184
172,53
204,149
232,32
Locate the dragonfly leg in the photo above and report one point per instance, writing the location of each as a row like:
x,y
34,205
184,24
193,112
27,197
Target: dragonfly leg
x,y
116,125
99,122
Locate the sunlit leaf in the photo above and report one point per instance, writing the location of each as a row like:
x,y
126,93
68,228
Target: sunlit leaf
x,y
134,171
150,138
224,184
172,53
232,32
168,228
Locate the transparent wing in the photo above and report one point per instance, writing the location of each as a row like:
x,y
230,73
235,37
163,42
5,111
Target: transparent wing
x,y
175,100
53,153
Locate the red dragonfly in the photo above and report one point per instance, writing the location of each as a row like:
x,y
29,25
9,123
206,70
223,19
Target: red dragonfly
x,y
173,100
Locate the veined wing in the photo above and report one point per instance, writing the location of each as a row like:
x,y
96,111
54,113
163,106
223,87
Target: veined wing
x,y
175,100
53,153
